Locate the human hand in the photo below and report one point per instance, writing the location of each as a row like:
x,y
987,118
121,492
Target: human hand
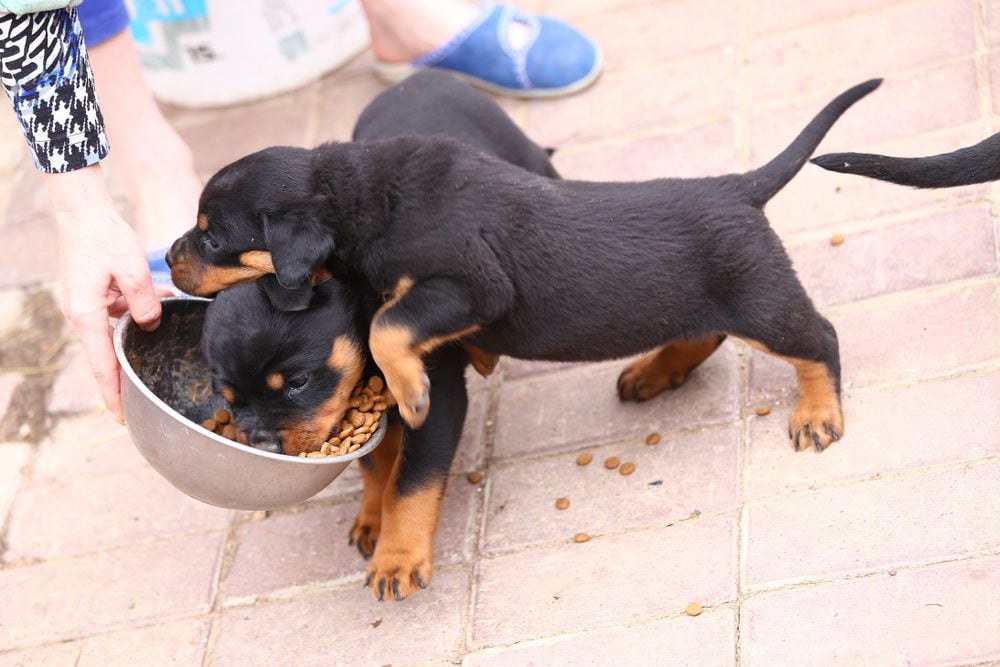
x,y
105,272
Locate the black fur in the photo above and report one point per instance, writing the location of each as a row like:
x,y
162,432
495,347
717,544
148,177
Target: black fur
x,y
975,164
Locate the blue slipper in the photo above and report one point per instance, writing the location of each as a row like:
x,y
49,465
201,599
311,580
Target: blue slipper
x,y
555,59
158,269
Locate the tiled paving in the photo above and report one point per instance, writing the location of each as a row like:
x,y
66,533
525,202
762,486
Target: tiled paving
x,y
885,549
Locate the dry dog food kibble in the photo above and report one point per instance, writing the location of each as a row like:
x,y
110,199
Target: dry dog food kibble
x,y
562,503
611,462
221,423
474,477
652,438
693,609
584,459
581,537
627,468
763,411
364,410
837,239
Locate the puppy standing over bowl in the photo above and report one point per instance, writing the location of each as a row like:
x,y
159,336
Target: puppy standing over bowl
x,y
286,372
467,247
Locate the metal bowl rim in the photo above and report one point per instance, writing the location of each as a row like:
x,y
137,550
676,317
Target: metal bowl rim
x,y
124,321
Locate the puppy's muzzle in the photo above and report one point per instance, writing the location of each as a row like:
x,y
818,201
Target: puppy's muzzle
x,y
267,440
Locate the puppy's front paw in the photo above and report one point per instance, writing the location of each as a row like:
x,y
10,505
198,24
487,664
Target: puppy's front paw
x,y
399,572
815,425
413,396
364,533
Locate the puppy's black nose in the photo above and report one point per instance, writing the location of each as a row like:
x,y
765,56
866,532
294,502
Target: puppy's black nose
x,y
269,441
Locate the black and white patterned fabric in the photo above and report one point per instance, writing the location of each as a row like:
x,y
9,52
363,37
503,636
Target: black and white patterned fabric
x,y
45,71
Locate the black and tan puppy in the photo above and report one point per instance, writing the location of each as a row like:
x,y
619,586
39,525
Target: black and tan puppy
x,y
286,360
287,375
976,164
467,247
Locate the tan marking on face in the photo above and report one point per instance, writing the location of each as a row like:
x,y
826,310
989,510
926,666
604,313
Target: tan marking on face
x,y
259,260
202,221
228,394
217,278
309,435
320,275
275,381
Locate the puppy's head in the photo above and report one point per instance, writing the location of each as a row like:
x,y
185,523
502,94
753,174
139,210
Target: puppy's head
x,y
256,216
287,376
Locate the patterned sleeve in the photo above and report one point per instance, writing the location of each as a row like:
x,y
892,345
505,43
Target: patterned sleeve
x,y
44,68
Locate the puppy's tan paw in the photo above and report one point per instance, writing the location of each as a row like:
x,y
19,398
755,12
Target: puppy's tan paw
x,y
399,572
815,425
365,532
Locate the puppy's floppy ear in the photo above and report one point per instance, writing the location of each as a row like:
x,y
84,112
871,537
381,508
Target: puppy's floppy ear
x,y
298,241
284,299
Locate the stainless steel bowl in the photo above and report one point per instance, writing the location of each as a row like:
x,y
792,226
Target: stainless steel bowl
x,y
167,393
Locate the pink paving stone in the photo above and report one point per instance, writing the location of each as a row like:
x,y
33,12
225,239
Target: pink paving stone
x,y
635,37
310,547
340,104
703,150
627,101
580,407
774,15
74,388
61,461
708,639
609,580
572,9
995,76
929,250
886,431
43,656
177,643
111,590
834,532
8,385
518,368
901,338
228,134
28,254
947,614
856,47
30,200
817,199
13,457
348,627
696,472
934,98
84,515
992,15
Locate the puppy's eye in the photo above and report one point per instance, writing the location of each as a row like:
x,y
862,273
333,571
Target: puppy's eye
x,y
297,383
208,241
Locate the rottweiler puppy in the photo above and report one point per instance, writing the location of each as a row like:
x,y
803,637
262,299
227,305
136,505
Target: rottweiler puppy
x,y
975,164
287,359
287,376
467,247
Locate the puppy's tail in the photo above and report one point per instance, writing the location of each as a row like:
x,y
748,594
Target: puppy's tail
x,y
975,164
765,182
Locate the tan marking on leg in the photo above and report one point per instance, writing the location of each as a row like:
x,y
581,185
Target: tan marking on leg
x,y
403,561
817,419
484,362
665,368
275,381
309,435
368,524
